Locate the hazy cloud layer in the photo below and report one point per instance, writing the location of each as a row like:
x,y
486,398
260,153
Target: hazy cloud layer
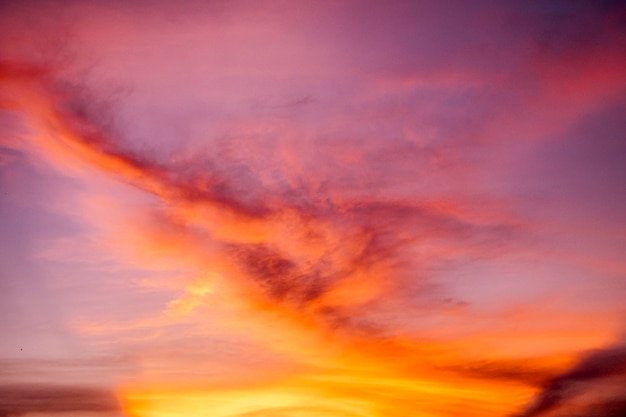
x,y
24,400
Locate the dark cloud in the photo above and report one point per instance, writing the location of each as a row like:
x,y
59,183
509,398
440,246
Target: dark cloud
x,y
611,408
593,368
386,230
18,400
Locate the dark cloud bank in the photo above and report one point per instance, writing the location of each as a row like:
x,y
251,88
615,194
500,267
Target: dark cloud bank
x,y
596,370
20,400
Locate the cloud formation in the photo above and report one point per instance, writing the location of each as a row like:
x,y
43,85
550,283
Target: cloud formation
x,y
365,220
599,370
282,247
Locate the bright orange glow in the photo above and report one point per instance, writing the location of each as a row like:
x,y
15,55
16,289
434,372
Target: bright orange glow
x,y
337,394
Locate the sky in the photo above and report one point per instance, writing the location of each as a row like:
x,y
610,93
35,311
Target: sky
x,y
312,208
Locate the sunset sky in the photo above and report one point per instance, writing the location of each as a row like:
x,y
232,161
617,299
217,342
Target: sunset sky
x,y
312,208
